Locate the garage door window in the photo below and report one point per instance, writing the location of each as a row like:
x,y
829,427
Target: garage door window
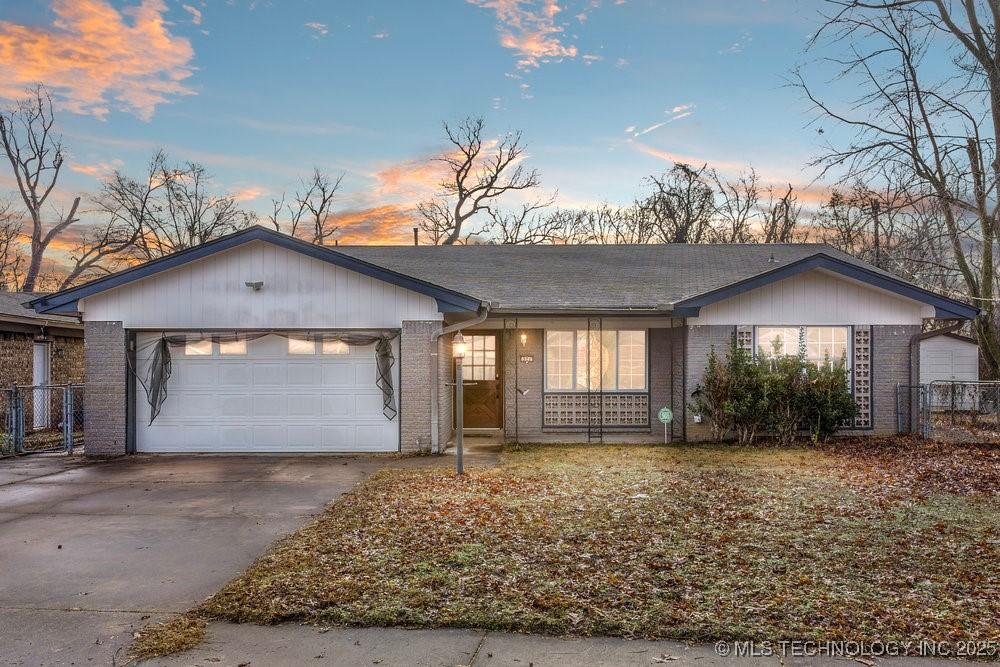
x,y
301,345
198,347
227,347
335,347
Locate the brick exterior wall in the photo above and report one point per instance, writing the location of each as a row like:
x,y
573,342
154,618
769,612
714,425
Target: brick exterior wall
x,y
523,412
415,386
17,359
892,363
446,393
104,396
665,389
700,341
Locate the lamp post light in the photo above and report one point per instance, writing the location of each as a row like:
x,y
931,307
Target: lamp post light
x,y
458,349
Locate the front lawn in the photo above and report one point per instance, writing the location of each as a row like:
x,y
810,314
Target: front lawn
x,y
865,539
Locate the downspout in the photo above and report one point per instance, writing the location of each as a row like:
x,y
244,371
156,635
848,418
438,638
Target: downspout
x,y
484,310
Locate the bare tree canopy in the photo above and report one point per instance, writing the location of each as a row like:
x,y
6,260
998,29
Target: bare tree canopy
x,y
928,116
35,154
170,208
309,215
480,172
528,226
12,259
682,205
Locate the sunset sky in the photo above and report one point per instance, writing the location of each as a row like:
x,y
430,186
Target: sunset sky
x,y
605,91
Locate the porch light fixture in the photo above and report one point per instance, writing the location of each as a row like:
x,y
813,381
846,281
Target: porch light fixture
x,y
458,350
524,339
458,346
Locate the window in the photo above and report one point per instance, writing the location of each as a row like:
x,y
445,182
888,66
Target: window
x,y
233,346
602,360
559,360
301,345
820,344
197,347
480,361
335,347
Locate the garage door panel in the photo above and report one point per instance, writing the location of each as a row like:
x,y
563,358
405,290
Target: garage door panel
x,y
268,400
338,374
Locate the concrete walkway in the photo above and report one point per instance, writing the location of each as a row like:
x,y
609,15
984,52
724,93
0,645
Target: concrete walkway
x,y
230,645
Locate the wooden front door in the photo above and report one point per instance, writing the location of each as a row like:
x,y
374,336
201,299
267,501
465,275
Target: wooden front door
x,y
481,372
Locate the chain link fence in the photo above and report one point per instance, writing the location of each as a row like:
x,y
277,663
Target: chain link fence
x,y
41,418
951,411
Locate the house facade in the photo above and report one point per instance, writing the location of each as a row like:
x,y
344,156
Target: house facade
x,y
258,342
37,349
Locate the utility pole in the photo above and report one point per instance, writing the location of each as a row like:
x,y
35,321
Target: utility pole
x,y
878,245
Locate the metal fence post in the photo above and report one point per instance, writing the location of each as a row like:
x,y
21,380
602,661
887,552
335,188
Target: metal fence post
x,y
18,417
68,418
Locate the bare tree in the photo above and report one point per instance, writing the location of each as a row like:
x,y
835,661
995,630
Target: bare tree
x,y
682,204
938,127
12,258
480,173
737,209
36,158
103,247
310,213
169,209
526,226
780,217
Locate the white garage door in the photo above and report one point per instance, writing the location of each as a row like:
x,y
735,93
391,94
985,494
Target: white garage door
x,y
272,394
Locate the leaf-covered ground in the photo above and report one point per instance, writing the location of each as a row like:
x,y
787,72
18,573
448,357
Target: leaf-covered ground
x,y
887,539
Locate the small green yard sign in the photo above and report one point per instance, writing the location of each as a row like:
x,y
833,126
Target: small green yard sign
x,y
665,415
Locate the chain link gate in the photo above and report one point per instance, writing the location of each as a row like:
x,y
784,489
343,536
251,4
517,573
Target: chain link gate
x,y
41,418
950,410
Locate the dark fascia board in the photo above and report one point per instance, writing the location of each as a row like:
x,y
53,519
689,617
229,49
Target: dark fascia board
x,y
448,300
943,306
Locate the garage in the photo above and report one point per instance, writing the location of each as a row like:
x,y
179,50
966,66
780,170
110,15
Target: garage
x,y
283,392
947,359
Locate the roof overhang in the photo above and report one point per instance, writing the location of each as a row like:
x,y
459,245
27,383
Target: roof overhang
x,y
944,307
66,301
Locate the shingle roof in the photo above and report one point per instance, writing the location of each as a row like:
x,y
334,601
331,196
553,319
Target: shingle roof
x,y
12,306
595,277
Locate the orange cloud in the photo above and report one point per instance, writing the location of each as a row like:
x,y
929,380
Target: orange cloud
x,y
96,60
529,31
382,225
99,170
411,180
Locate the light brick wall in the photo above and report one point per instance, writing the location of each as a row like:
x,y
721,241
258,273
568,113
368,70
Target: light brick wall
x,y
16,350
523,413
663,385
415,345
104,395
892,363
701,339
446,393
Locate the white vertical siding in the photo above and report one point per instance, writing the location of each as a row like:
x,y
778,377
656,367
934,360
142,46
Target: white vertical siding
x,y
947,358
816,297
299,292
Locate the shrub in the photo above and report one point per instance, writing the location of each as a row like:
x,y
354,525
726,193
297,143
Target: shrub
x,y
828,400
781,395
710,398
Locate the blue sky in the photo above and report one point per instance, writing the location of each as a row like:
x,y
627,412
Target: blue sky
x,y
260,91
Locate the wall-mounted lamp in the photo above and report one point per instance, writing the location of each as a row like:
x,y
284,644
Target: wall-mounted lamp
x,y
524,339
255,285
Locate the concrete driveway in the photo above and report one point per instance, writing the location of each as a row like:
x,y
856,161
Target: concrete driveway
x,y
89,552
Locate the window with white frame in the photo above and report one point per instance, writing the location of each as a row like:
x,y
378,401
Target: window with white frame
x,y
301,345
601,360
819,345
238,346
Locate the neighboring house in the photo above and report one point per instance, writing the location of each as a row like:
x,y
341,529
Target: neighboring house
x,y
273,341
37,349
947,358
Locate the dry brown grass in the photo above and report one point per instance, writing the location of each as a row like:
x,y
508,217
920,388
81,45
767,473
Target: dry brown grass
x,y
158,639
861,539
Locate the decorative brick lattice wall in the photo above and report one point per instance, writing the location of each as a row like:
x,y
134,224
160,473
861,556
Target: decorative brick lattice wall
x,y
744,338
575,409
862,375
